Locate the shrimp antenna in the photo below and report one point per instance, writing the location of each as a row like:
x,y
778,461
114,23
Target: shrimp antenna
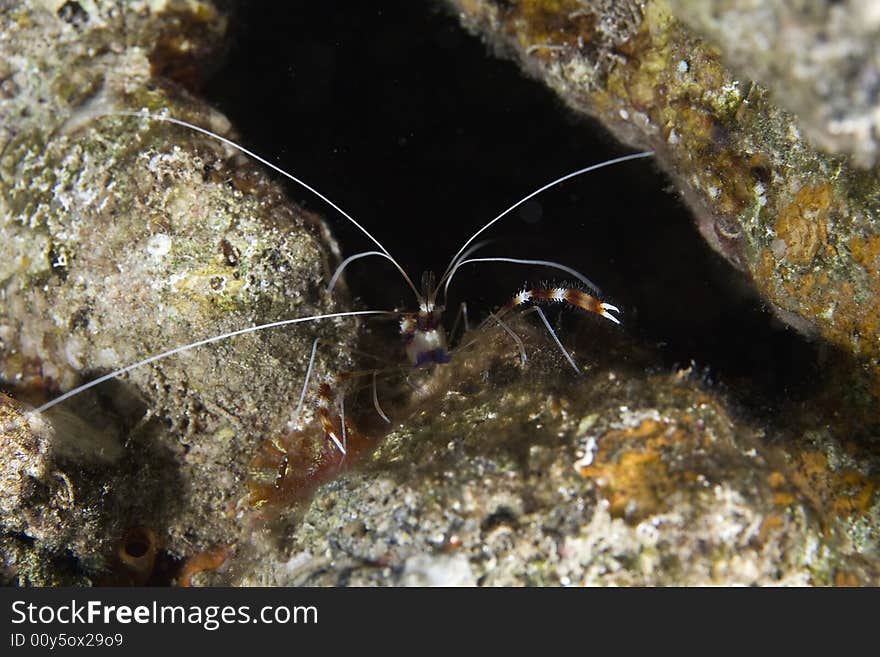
x,y
573,174
199,343
274,167
357,256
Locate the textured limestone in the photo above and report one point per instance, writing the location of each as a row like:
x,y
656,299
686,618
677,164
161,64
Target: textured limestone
x,y
123,237
821,61
804,225
504,475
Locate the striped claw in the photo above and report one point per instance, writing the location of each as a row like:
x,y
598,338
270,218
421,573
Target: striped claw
x,y
606,308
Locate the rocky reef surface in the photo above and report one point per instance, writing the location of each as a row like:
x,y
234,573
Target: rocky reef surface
x,y
510,474
802,223
124,236
819,60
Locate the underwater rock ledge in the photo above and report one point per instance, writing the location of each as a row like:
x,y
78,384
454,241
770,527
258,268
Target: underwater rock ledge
x,y
819,58
506,474
123,237
805,226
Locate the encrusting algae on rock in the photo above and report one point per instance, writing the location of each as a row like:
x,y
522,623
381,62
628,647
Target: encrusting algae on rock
x,y
511,474
123,237
797,221
803,224
818,58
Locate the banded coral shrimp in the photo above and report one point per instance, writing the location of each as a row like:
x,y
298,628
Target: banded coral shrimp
x,y
425,341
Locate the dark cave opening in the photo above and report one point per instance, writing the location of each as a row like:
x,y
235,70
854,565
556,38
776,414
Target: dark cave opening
x,y
412,126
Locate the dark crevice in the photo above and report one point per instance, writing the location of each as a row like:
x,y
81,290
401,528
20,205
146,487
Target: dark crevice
x,y
410,124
